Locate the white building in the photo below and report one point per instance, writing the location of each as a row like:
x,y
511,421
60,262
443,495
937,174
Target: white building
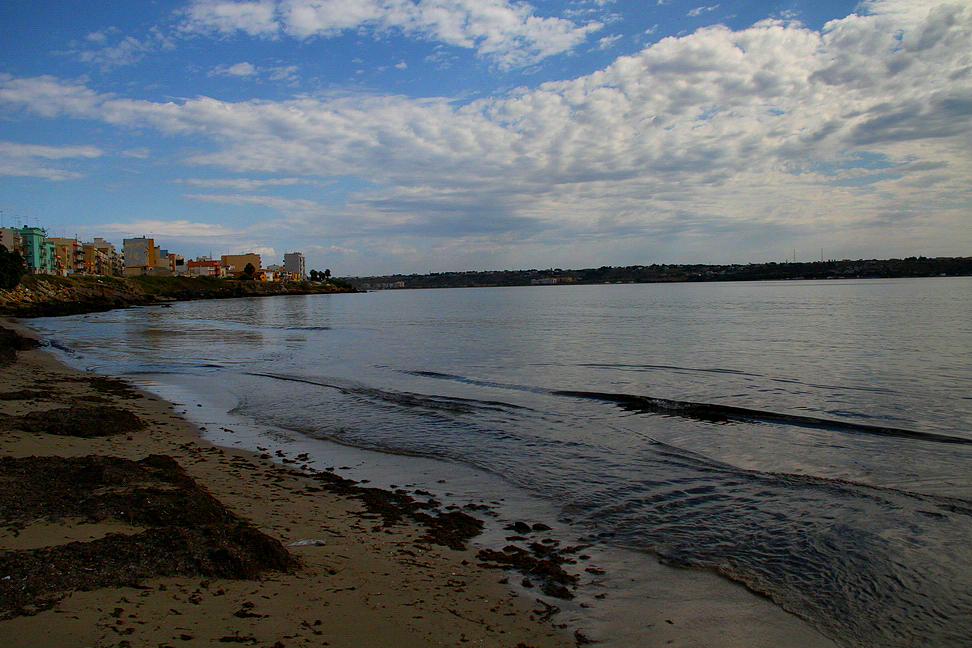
x,y
296,265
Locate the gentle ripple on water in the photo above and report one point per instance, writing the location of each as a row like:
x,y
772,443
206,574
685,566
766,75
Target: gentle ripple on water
x,y
812,440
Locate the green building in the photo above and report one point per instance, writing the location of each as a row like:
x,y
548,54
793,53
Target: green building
x,y
39,254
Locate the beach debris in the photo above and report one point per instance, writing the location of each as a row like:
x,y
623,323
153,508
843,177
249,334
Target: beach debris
x,y
307,542
540,561
451,529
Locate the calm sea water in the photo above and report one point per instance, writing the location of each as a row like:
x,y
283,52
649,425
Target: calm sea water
x,y
812,440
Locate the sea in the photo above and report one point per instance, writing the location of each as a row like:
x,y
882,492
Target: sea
x,y
810,441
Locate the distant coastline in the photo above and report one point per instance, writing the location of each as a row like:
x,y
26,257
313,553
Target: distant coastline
x,y
669,273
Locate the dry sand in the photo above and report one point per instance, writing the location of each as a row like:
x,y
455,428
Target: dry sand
x,y
358,581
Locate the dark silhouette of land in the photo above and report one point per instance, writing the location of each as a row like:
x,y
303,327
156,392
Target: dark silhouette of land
x,y
846,269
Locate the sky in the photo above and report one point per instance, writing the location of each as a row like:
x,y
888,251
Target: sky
x,y
416,136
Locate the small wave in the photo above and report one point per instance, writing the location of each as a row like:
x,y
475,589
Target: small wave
x,y
402,399
714,413
631,367
472,381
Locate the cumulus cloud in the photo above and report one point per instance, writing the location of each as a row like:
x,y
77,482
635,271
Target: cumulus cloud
x,y
241,69
252,18
510,34
717,131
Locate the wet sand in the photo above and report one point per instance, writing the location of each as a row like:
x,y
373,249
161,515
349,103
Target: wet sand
x,y
232,548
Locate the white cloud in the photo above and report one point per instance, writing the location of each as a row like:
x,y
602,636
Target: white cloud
x,y
240,184
170,229
284,73
266,253
608,41
127,51
28,160
698,11
510,34
241,69
285,205
764,129
253,18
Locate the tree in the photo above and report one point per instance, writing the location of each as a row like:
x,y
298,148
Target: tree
x,y
327,274
11,268
248,271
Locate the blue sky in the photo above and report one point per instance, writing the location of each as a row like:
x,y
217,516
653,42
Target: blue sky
x,y
381,136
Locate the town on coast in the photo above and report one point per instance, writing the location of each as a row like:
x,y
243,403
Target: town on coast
x,y
140,256
50,276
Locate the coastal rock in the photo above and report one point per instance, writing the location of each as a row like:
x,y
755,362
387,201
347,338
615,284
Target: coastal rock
x,y
50,296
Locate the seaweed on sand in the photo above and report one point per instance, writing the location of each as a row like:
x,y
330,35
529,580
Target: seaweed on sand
x,y
189,531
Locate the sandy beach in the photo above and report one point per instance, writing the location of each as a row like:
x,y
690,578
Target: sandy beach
x,y
129,530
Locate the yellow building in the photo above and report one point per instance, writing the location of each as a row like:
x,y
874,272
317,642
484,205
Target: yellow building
x,y
235,264
70,255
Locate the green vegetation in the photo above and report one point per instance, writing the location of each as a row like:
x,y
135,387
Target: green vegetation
x,y
11,268
163,285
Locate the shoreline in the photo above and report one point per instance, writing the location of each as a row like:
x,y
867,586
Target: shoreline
x,y
623,597
364,575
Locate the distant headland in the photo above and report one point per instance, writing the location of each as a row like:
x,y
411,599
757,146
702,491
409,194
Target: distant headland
x,y
668,273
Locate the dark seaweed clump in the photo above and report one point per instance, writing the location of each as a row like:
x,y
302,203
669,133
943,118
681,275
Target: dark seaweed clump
x,y
189,532
85,421
453,529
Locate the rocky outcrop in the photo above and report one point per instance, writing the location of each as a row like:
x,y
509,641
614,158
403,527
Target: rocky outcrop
x,y
39,296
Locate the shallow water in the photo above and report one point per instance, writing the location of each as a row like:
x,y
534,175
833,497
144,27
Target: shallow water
x,y
812,440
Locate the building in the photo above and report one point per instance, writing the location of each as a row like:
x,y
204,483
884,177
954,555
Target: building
x,y
96,260
40,255
203,267
101,258
171,263
141,256
70,255
235,264
295,265
9,239
178,264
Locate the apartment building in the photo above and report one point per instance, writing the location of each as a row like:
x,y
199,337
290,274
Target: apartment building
x,y
295,265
